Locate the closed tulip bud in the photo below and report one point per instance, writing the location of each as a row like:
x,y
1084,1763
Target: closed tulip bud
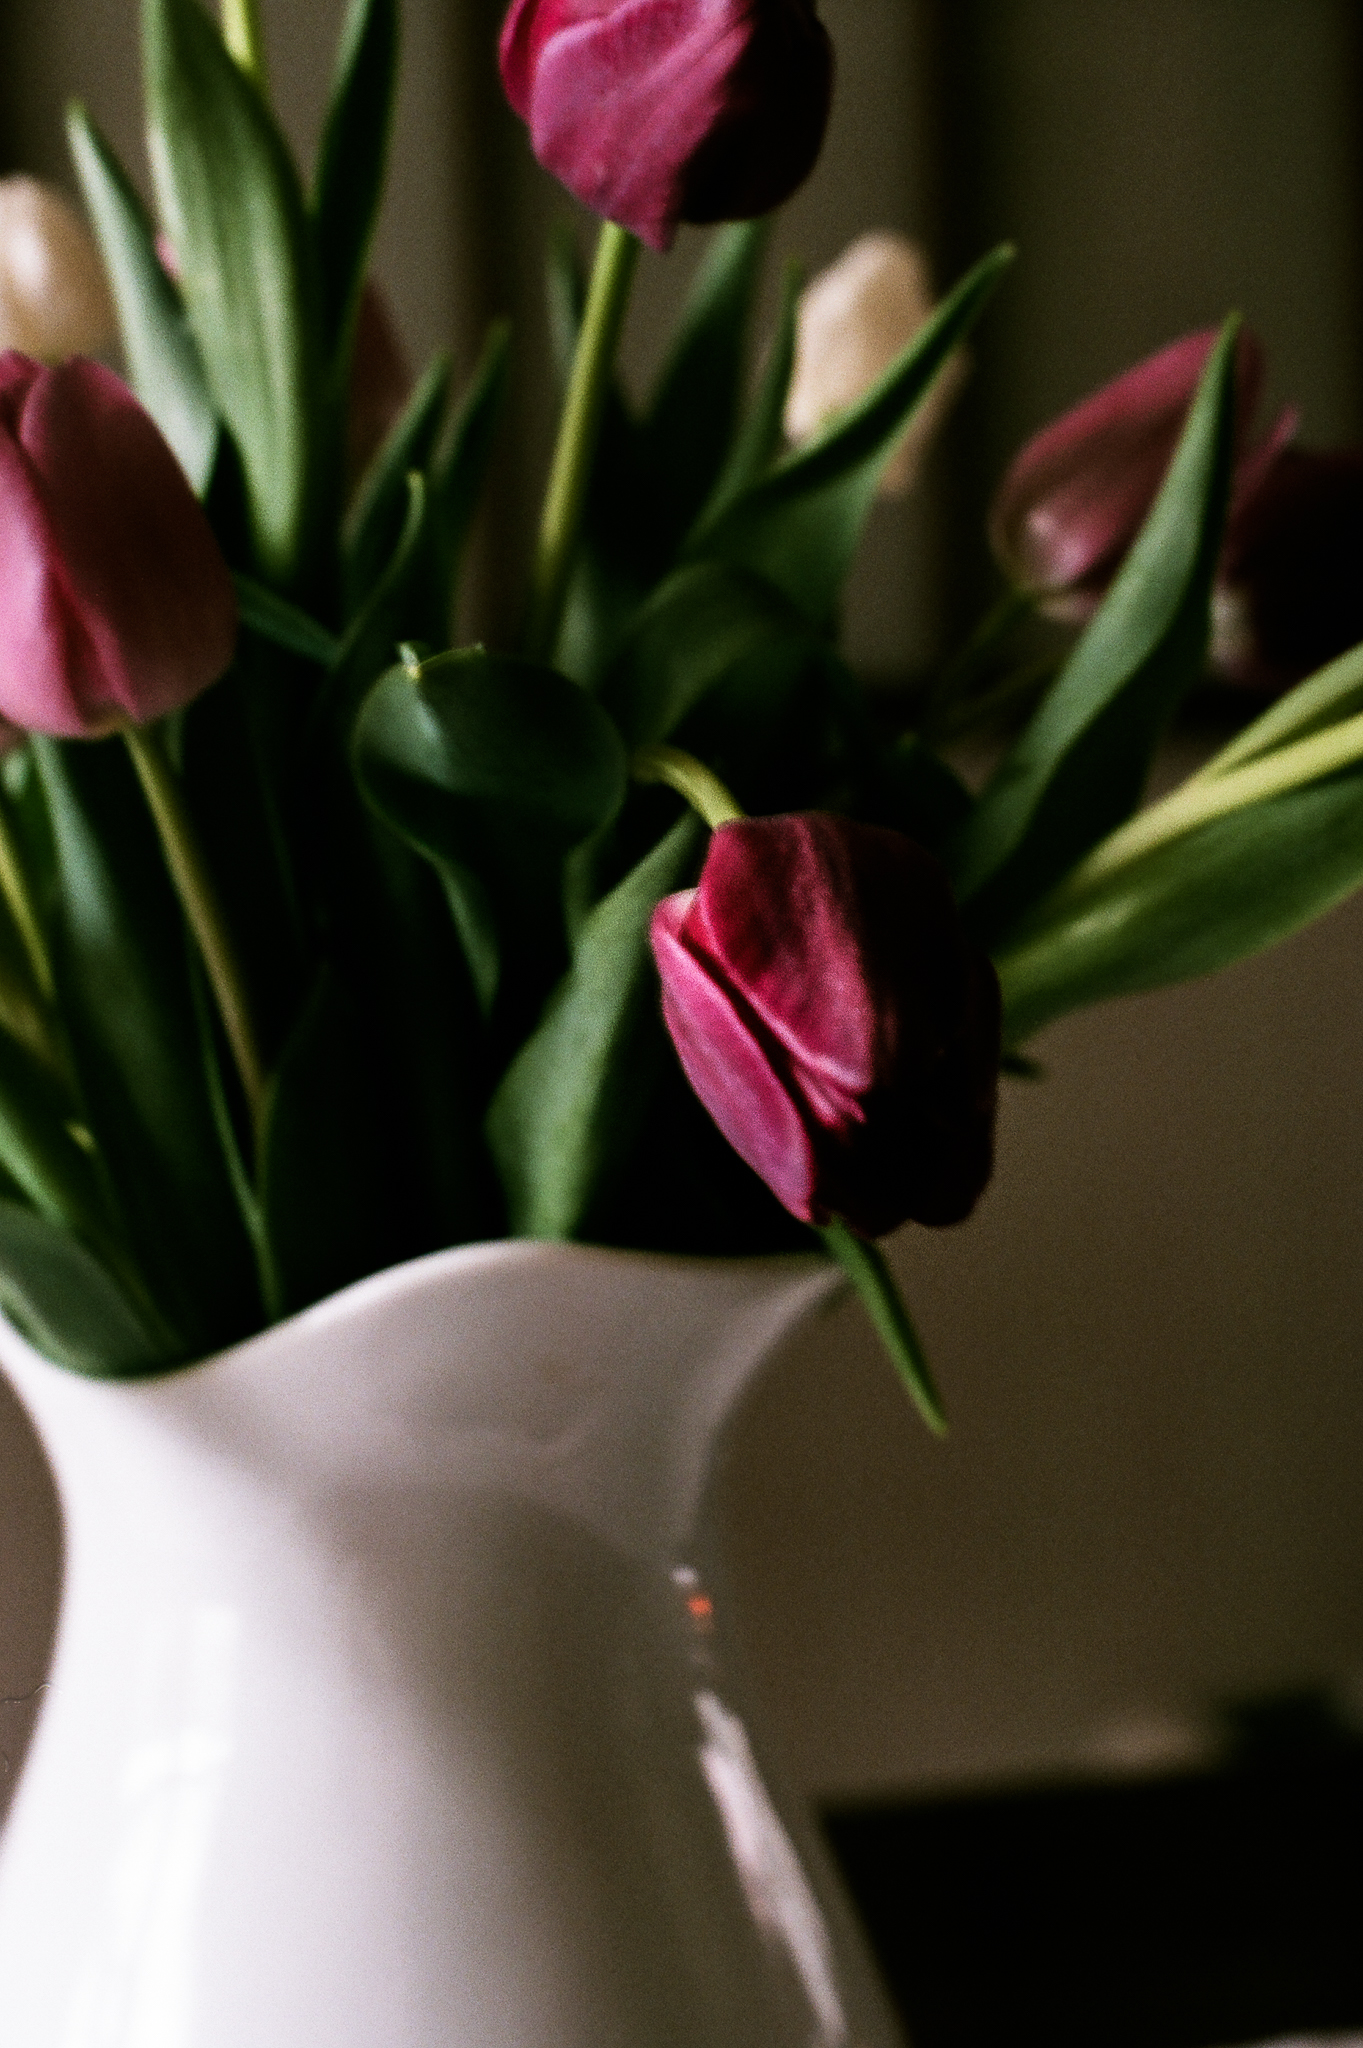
x,y
1077,495
54,298
835,1021
117,605
854,319
653,112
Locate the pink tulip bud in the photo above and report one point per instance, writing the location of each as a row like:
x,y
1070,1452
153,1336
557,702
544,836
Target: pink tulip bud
x,y
1078,493
54,297
658,111
1291,591
854,319
835,1021
116,605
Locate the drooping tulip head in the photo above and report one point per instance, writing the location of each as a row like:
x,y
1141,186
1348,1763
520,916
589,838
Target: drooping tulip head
x,y
54,297
116,605
835,1021
1077,495
653,112
854,319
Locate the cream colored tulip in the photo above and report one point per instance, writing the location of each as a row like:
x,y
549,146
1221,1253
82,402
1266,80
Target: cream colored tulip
x,y
54,298
854,319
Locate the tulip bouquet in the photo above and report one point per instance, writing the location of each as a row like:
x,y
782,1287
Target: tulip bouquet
x,y
323,945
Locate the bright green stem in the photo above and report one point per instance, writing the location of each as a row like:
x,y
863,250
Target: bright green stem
x,y
241,31
868,1270
703,790
617,252
14,885
199,900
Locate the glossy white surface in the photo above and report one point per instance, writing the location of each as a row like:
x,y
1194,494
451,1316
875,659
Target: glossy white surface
x,y
388,1708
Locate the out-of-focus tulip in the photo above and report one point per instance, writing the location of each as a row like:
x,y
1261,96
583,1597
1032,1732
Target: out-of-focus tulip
x,y
116,603
380,381
1075,498
854,319
834,1020
1290,596
54,298
653,112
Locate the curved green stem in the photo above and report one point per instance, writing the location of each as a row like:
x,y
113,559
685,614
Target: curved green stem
x,y
199,900
19,897
702,789
241,31
565,500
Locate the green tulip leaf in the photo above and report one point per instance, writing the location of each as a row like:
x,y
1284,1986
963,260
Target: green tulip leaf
x,y
1080,764
1187,905
759,441
800,525
123,987
284,624
869,1272
232,206
352,160
693,416
696,628
1326,699
380,509
569,1108
162,356
59,1296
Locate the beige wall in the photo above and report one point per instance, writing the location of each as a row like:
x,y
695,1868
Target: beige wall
x,y
1149,1336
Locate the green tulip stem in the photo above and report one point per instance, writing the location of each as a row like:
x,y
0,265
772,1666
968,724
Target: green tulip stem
x,y
702,789
18,896
869,1272
199,901
617,253
241,31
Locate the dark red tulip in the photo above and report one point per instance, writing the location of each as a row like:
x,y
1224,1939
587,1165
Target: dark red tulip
x,y
116,601
1291,591
653,112
1077,495
835,1021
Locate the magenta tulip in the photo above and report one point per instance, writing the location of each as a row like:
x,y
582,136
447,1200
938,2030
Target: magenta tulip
x,y
1076,496
834,1020
657,111
1291,591
116,605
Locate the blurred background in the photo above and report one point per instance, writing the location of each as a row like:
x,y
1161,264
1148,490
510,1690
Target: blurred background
x,y
1149,1337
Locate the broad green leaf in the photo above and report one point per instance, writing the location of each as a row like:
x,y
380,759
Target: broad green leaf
x,y
284,624
1079,766
352,159
380,507
868,1270
569,1108
60,1297
800,525
1189,905
759,440
123,987
493,769
695,629
691,421
164,366
38,1152
231,203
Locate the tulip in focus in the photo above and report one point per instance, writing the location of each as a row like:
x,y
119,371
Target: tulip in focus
x,y
854,319
1077,495
117,603
54,299
834,1019
653,112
